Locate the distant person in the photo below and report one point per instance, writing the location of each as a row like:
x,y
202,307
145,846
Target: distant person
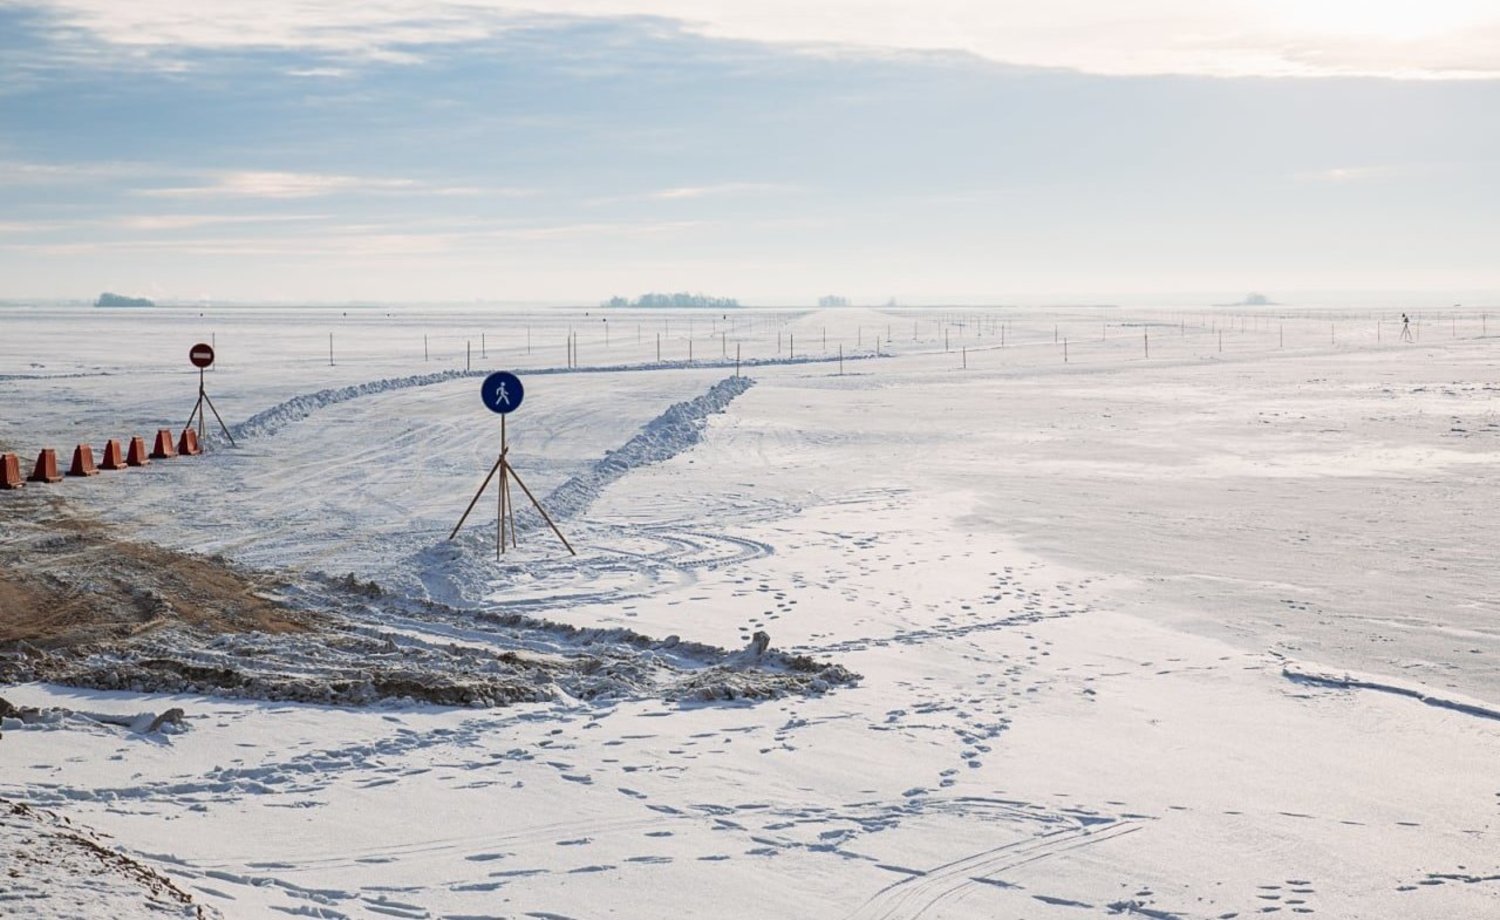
x,y
1405,328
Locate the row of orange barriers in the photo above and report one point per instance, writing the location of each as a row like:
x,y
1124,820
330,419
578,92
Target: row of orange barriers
x,y
115,458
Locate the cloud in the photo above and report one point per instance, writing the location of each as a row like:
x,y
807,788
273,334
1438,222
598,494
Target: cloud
x,y
1348,174
194,221
277,185
293,185
319,72
706,191
14,173
641,228
1400,38
150,222
695,192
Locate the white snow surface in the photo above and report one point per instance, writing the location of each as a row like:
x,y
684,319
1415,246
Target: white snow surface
x,y
1207,634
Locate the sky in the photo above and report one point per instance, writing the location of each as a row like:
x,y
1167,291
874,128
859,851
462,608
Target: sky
x,y
945,151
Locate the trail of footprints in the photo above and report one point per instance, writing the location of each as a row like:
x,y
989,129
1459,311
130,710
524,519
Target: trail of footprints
x,y
1290,895
745,829
991,629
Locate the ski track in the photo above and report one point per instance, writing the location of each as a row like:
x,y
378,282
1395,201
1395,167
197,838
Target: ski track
x,y
913,897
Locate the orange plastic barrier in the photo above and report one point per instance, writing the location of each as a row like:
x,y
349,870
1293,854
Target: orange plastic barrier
x,y
46,467
83,462
137,454
114,457
10,472
188,445
164,449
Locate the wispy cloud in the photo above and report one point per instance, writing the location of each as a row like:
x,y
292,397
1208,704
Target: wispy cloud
x,y
319,72
231,183
151,222
1435,38
16,172
599,229
277,185
293,185
1350,174
193,221
696,192
725,188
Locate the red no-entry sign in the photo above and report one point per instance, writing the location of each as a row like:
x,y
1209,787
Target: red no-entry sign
x,y
201,355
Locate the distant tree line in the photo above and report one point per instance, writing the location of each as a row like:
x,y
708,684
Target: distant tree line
x,y
833,300
117,300
681,299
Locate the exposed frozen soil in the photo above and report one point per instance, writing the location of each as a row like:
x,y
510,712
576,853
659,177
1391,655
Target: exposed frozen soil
x,y
381,650
52,867
86,610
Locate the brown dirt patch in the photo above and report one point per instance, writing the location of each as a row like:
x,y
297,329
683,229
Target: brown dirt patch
x,y
66,583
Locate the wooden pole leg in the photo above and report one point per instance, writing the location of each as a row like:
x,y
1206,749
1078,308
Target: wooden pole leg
x,y
543,511
475,500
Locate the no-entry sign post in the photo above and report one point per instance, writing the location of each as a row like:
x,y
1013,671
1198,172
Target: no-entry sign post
x,y
502,393
202,357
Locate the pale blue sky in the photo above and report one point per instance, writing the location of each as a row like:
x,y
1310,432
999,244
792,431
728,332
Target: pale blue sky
x,y
302,150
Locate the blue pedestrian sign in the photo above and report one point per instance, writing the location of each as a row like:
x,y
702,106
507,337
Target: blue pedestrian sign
x,y
502,392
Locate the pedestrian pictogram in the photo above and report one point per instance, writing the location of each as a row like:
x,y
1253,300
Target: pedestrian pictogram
x,y
502,392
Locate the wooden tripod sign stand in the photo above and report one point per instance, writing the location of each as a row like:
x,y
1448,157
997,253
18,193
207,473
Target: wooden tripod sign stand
x,y
202,357
502,394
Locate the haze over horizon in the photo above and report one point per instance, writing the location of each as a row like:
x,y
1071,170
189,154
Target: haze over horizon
x,y
960,151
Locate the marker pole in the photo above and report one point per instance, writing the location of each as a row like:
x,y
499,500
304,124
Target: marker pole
x,y
500,517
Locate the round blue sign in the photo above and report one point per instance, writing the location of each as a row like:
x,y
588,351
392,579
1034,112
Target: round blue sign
x,y
502,392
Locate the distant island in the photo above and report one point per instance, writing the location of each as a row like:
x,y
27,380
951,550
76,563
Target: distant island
x,y
682,299
833,300
119,300
1252,299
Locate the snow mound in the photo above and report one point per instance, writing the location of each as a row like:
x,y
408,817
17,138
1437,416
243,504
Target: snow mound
x,y
298,408
1345,680
664,437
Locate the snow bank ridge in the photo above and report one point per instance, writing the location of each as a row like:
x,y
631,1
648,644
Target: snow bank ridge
x,y
298,408
1311,674
664,437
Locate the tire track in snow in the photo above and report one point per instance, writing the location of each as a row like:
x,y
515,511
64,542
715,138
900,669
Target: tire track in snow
x,y
914,896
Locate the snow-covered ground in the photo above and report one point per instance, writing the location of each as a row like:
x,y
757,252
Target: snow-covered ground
x,y
1203,634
